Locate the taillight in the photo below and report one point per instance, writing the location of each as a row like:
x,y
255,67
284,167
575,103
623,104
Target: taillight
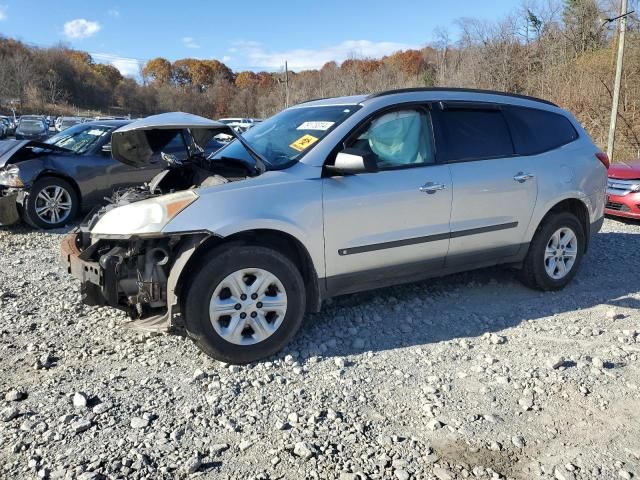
x,y
604,158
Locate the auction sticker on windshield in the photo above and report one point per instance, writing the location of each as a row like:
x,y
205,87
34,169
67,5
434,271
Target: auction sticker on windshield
x,y
315,126
303,142
96,132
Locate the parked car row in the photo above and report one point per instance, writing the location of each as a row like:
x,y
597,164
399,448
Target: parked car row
x,y
328,197
7,126
240,124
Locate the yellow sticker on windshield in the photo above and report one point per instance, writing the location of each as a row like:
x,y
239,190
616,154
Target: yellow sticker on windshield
x,y
303,142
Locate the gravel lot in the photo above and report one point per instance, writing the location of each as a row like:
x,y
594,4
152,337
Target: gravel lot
x,y
469,376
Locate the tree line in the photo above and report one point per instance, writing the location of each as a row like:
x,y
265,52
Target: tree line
x,y
560,50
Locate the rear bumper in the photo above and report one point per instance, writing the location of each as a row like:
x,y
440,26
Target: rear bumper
x,y
627,206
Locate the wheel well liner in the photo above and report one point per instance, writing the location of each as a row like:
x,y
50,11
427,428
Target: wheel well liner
x,y
278,240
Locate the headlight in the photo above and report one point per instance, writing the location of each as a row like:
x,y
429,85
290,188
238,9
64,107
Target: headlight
x,y
9,177
144,217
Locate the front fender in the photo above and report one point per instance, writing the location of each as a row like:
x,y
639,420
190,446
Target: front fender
x,y
294,208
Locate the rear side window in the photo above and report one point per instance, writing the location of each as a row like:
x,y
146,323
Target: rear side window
x,y
537,131
473,133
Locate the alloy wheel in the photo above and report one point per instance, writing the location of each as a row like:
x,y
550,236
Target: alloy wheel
x,y
53,204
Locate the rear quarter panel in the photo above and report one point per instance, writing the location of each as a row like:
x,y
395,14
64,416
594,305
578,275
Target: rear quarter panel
x,y
571,171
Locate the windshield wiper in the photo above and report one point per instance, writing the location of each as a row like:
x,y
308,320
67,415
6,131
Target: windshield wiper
x,y
50,146
261,162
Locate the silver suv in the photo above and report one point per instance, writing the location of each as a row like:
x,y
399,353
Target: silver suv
x,y
335,196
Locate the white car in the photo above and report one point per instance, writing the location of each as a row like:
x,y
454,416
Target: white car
x,y
239,124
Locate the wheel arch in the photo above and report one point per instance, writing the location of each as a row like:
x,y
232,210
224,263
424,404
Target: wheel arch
x,y
278,240
577,207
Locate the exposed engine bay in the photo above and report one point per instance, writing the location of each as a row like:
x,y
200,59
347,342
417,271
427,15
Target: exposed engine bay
x,y
197,172
132,275
137,273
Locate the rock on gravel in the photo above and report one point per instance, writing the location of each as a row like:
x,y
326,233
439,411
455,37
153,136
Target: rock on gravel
x,y
192,464
80,400
555,362
15,395
137,422
304,450
9,413
81,425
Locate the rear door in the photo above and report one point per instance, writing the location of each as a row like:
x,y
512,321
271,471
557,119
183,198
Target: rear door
x,y
393,223
494,190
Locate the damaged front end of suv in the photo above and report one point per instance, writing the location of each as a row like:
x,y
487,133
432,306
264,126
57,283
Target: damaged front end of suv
x,y
139,271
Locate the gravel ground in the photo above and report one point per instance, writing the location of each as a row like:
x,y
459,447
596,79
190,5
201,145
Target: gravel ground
x,y
468,376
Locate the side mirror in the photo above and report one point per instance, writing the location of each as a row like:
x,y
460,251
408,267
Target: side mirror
x,y
352,161
106,148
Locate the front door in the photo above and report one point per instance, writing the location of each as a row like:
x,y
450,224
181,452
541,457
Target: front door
x,y
393,222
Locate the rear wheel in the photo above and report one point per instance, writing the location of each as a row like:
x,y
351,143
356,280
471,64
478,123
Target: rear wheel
x,y
244,304
52,203
555,253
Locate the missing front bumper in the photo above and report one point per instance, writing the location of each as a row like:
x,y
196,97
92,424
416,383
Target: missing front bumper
x,y
97,286
130,275
9,214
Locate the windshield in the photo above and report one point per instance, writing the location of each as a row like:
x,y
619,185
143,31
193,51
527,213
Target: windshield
x,y
287,136
79,138
31,126
70,122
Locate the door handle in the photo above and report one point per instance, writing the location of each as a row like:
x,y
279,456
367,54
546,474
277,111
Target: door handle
x,y
522,177
431,187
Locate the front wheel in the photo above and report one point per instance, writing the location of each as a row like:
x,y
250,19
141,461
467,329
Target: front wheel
x,y
52,203
245,303
555,253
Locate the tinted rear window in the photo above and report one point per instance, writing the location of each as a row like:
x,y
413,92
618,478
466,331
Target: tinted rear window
x,y
536,131
474,133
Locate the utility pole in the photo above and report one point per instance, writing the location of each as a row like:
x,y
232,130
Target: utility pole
x,y
618,79
286,83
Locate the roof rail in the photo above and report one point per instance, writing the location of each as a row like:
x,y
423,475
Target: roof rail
x,y
312,100
467,90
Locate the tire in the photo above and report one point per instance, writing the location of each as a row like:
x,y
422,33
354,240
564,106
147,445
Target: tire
x,y
536,271
68,204
211,284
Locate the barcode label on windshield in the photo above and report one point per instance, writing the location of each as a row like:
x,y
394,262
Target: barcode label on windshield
x,y
315,126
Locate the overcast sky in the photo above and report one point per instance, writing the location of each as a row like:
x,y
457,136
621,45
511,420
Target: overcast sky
x,y
244,34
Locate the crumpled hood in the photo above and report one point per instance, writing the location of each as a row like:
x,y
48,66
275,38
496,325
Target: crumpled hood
x,y
629,170
136,143
8,148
